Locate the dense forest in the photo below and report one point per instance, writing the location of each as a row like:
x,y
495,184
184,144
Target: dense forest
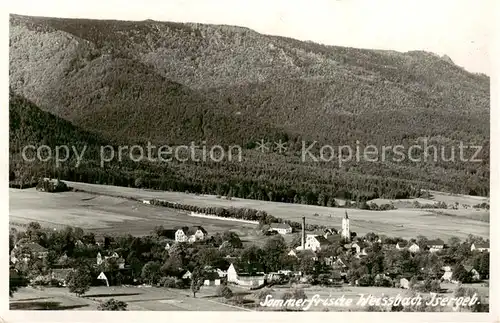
x,y
98,83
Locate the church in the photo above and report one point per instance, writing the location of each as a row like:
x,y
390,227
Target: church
x,y
346,232
317,241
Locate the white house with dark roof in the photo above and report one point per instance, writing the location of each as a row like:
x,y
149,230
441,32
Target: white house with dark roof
x,y
480,247
281,228
315,243
190,234
435,245
413,248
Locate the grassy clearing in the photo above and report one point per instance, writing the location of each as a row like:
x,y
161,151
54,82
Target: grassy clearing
x,y
105,214
405,223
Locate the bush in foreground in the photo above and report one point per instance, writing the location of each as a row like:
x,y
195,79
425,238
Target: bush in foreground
x,y
112,305
224,291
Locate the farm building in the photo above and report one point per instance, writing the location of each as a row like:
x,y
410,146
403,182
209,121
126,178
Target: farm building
x,y
281,228
236,276
213,278
480,247
435,245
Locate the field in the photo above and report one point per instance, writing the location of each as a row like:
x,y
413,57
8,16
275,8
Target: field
x,y
104,214
114,214
137,298
141,298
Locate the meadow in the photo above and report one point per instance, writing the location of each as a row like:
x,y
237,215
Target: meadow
x,y
131,215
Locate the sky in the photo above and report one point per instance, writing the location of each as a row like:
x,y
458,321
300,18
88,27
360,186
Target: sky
x,y
461,29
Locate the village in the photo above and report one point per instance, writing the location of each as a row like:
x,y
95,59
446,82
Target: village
x,y
190,258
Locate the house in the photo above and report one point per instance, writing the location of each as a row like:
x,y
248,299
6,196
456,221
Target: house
x,y
221,273
26,250
281,228
292,253
448,274
474,273
328,261
404,283
121,263
212,278
102,241
79,243
61,275
401,245
359,247
167,246
186,275
481,247
330,231
315,243
236,276
190,234
435,245
414,248
99,259
102,277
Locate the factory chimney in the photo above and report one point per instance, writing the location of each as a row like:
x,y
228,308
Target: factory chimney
x,y
303,232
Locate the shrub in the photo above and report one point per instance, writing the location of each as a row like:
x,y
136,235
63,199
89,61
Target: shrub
x,y
224,291
168,282
112,305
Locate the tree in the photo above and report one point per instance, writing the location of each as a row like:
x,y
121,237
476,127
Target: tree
x,y
272,252
461,274
33,231
79,281
306,264
209,257
197,279
139,182
151,272
233,239
453,241
112,305
16,280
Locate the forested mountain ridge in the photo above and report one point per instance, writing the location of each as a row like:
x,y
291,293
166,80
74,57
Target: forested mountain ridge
x,y
171,83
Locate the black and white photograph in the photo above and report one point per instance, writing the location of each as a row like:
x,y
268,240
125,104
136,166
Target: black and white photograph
x,y
249,156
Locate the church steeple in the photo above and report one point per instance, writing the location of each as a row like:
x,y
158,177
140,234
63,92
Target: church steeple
x,y
346,232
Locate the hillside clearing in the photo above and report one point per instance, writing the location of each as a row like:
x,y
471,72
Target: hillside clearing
x,y
404,223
